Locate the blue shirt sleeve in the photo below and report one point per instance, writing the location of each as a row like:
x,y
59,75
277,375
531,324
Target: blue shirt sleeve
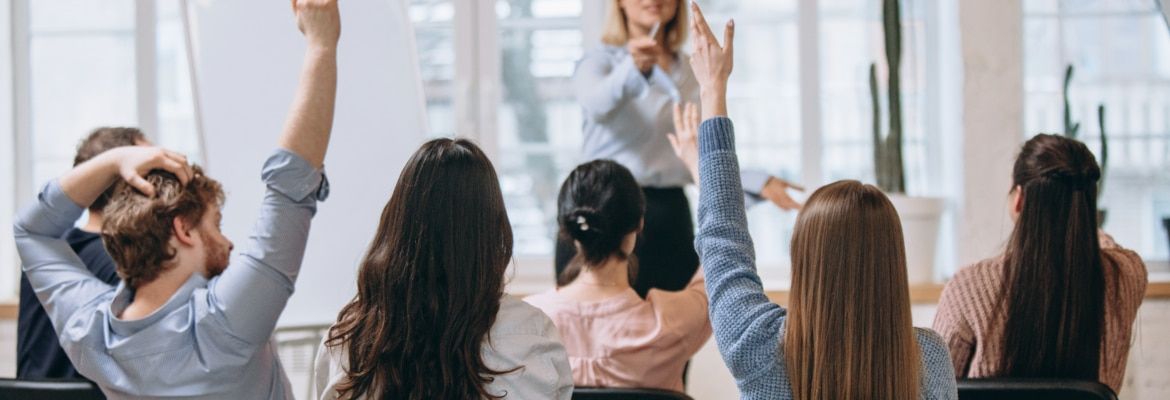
x,y
603,83
746,324
252,292
57,275
938,375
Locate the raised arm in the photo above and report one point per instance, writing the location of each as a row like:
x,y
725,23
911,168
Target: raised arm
x,y
250,295
746,323
59,278
306,132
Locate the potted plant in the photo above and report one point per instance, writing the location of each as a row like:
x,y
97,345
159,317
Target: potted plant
x,y
1072,131
920,216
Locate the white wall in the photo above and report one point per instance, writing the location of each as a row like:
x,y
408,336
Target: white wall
x,y
248,61
993,121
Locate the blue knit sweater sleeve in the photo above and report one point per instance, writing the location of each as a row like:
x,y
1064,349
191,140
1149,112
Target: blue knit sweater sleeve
x,y
746,324
938,373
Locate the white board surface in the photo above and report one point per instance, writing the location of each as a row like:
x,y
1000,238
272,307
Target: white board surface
x,y
248,61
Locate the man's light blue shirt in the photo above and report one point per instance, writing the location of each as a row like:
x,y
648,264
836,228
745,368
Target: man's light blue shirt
x,y
213,338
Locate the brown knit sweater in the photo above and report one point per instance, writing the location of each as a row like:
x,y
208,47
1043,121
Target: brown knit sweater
x,y
973,329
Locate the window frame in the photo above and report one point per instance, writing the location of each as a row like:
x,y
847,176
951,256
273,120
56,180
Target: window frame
x,y
16,112
1061,16
9,280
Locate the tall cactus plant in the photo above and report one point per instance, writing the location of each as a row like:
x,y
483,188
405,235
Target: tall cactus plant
x,y
887,150
1072,128
1104,149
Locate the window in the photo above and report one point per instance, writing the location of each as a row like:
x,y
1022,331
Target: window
x,y
525,114
539,125
435,39
852,39
528,117
85,65
764,100
1121,52
82,75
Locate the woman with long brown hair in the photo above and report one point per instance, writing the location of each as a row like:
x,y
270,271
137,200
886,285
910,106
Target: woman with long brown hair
x,y
1061,300
847,333
431,320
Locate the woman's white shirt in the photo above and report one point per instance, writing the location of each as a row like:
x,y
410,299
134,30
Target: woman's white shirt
x,y
521,337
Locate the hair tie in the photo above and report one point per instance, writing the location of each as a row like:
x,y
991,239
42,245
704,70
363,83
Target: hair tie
x,y
1075,181
582,223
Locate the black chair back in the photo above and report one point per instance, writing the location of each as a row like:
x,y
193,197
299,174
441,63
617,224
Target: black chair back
x,y
591,393
1033,389
49,389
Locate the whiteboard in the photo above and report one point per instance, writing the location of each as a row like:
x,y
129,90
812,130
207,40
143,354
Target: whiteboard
x,y
248,57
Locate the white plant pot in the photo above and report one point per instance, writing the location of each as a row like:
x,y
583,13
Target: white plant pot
x,y
921,217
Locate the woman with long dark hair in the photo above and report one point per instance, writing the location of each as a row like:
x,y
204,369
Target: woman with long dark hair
x,y
1061,300
847,333
431,320
615,338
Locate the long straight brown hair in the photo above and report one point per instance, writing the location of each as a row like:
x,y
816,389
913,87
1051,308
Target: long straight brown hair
x,y
849,333
429,287
1053,292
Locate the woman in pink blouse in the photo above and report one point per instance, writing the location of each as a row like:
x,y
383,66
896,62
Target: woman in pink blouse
x,y
615,338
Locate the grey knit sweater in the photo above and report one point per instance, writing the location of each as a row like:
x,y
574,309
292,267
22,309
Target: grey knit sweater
x,y
748,327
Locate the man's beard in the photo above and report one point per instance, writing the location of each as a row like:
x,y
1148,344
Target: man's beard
x,y
217,260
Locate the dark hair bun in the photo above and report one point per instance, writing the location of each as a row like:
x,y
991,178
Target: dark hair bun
x,y
599,204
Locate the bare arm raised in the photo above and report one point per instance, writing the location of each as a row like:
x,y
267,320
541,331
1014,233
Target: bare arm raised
x,y
251,293
310,121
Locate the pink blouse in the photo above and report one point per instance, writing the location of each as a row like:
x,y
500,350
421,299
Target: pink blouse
x,y
625,341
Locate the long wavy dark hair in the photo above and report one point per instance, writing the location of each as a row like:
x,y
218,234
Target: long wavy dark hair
x,y
430,284
1053,293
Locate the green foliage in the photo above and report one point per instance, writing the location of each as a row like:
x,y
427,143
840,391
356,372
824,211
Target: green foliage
x,y
1072,129
889,168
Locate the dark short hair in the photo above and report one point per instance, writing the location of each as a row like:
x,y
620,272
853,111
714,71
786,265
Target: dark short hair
x,y
99,141
137,229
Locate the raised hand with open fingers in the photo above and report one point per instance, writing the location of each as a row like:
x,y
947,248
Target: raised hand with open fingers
x,y
712,63
685,139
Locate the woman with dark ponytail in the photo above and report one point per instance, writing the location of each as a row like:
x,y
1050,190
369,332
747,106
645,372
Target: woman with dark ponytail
x,y
615,338
1061,301
430,319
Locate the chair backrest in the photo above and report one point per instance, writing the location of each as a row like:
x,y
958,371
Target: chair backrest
x,y
1033,389
49,390
594,393
297,349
